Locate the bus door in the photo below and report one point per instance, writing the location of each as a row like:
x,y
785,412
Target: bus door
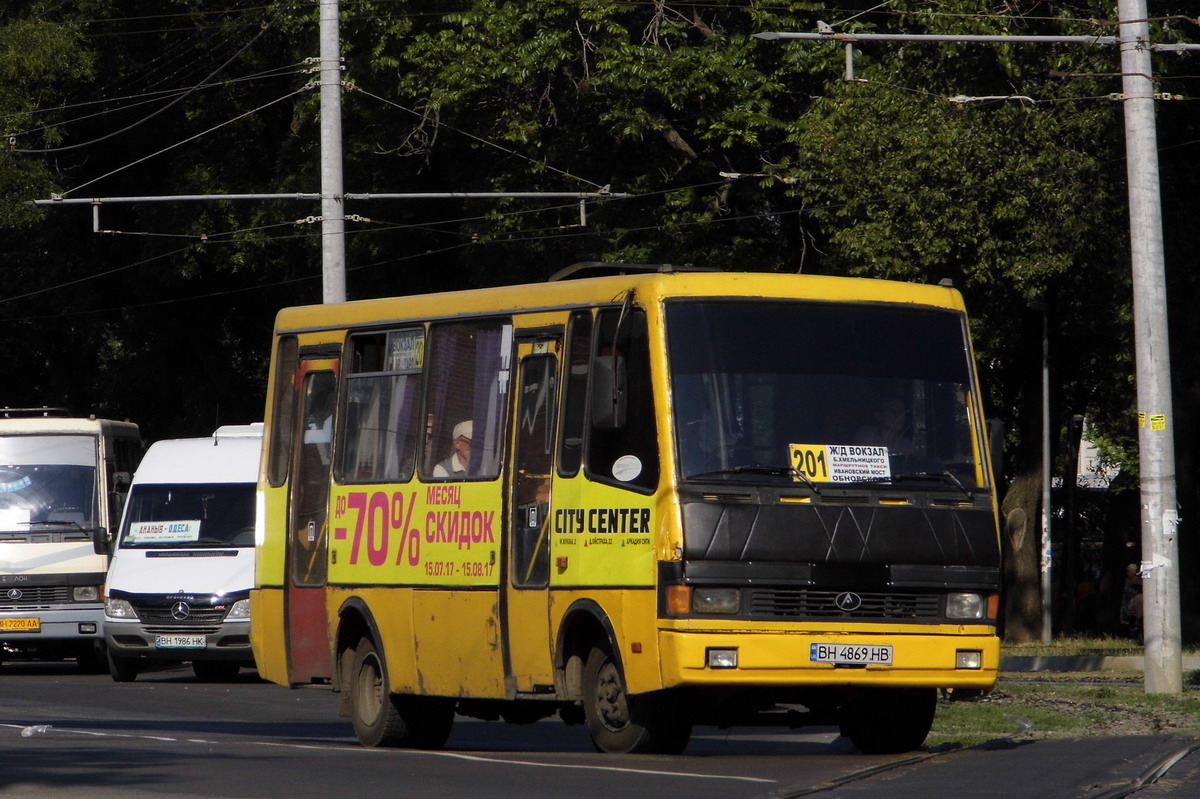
x,y
526,623
308,510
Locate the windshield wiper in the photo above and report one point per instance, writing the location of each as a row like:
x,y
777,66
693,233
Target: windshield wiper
x,y
56,523
945,477
781,471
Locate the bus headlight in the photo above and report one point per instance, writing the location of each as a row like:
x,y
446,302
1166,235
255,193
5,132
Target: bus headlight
x,y
240,611
85,593
716,600
965,606
119,609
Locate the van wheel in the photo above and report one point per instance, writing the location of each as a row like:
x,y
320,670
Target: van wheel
x,y
619,722
381,718
216,670
122,669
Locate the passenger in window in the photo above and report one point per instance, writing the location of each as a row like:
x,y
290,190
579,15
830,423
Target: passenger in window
x,y
458,464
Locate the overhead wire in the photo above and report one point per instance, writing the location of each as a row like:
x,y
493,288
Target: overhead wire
x,y
180,143
473,137
263,28
145,98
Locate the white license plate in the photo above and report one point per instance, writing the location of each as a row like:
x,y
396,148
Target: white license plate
x,y
180,641
851,654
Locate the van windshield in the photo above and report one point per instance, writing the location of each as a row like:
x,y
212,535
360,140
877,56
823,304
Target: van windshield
x,y
162,516
48,482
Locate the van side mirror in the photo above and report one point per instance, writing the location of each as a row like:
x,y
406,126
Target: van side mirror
x,y
121,482
100,541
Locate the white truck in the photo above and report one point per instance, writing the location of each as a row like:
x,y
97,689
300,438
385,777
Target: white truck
x,y
63,482
183,563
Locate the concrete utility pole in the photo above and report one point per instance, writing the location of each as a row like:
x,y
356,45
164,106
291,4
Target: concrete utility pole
x,y
333,210
1047,544
1156,421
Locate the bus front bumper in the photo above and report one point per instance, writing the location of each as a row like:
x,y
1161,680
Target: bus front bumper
x,y
795,659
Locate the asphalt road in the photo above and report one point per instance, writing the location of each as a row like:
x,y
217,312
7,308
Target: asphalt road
x,y
64,734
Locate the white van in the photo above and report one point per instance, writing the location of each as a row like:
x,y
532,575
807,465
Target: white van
x,y
183,562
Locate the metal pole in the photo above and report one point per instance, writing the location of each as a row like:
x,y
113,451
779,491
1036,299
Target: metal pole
x,y
333,212
1047,545
1159,512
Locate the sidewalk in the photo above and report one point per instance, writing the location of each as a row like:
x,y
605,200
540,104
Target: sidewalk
x,y
1083,663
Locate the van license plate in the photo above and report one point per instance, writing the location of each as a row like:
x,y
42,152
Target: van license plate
x,y
180,641
851,654
22,625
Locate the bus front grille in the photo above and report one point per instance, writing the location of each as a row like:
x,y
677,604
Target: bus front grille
x,y
789,603
34,595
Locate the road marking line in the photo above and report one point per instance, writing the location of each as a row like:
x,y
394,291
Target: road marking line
x,y
453,755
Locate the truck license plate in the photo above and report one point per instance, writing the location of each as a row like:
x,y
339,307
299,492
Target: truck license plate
x,y
21,625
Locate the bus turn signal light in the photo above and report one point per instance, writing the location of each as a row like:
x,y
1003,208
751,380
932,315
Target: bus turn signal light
x,y
679,600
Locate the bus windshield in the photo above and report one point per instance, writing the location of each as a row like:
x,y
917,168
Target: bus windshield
x,y
48,483
821,392
166,516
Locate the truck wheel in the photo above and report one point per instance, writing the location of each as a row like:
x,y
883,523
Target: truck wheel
x,y
90,657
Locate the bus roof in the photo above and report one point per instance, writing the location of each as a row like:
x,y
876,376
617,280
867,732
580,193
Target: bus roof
x,y
649,286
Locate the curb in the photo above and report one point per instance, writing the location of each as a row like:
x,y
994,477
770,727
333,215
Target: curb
x,y
1083,663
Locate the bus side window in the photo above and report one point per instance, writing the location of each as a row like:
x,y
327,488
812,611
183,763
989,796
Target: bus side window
x,y
623,451
466,399
381,407
579,349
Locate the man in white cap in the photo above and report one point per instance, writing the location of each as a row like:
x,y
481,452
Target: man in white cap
x,y
456,465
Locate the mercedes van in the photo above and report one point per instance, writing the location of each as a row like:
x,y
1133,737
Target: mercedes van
x,y
183,561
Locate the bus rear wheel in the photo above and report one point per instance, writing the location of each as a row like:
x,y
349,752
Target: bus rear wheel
x,y
887,721
619,722
383,719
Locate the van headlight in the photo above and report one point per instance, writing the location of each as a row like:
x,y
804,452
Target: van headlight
x,y
965,606
239,611
119,609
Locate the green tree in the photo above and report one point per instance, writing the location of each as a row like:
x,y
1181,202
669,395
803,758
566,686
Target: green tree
x,y
744,154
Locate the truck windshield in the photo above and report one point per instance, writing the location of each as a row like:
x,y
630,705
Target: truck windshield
x,y
162,516
48,483
822,392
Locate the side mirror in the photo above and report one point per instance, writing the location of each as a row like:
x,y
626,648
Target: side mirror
x,y
121,482
100,541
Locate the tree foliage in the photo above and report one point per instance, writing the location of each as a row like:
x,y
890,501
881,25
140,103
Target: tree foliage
x,y
1000,167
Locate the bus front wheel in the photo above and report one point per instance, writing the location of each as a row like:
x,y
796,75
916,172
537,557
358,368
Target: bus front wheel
x,y
383,719
619,722
886,721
